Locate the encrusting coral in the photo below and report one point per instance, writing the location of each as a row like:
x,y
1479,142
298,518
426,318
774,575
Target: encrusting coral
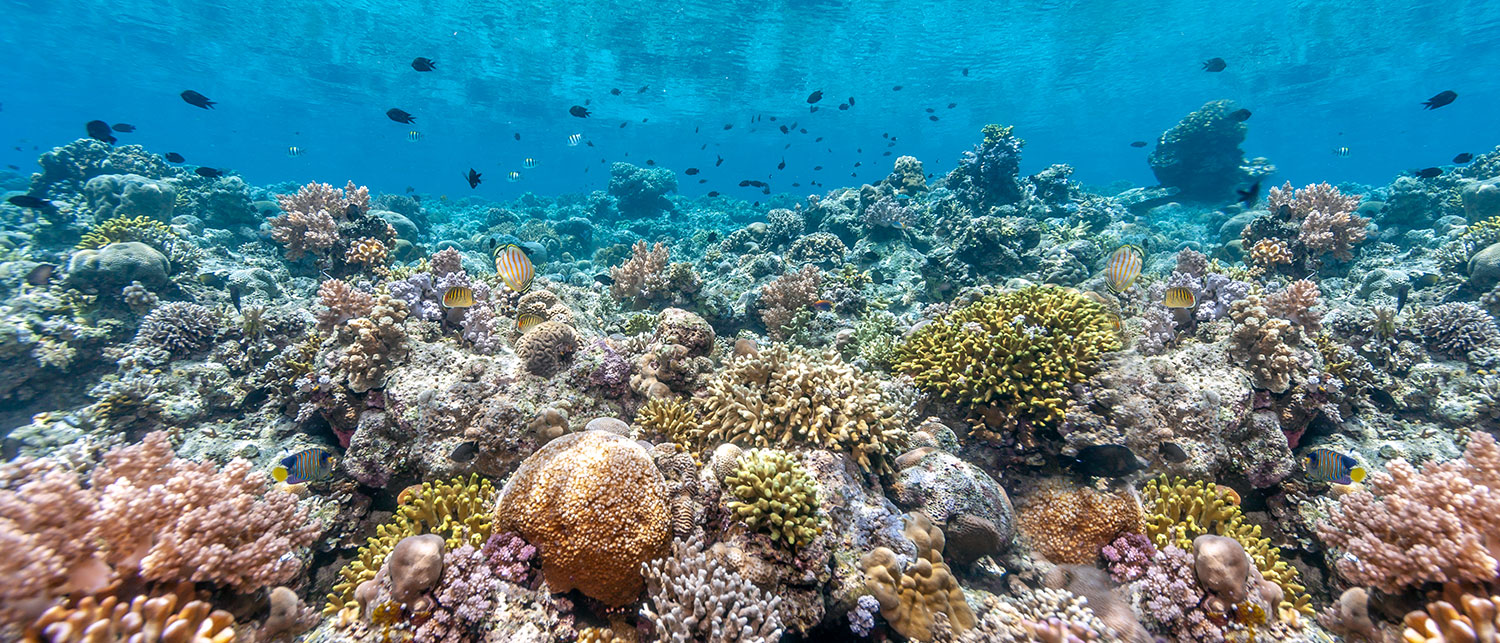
x,y
774,494
911,599
1072,526
691,597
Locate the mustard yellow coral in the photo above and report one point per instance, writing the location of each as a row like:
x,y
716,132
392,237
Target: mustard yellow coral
x,y
1016,352
1178,512
1070,526
141,228
912,598
675,419
458,510
774,494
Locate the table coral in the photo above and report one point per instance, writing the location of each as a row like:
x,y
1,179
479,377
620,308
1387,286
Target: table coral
x,y
912,597
691,597
772,493
1073,525
595,506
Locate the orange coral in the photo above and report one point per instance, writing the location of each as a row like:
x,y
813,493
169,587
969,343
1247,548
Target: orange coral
x,y
1071,526
1269,252
369,251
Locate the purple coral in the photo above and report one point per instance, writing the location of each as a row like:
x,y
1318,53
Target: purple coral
x,y
481,328
612,373
420,294
1128,557
1172,596
463,598
862,617
511,557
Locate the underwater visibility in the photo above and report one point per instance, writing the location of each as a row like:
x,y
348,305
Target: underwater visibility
x,y
739,322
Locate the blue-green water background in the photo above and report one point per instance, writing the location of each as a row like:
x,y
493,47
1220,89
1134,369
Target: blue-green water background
x,y
1079,80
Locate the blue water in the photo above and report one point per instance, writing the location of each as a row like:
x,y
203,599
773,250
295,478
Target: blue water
x,y
1078,80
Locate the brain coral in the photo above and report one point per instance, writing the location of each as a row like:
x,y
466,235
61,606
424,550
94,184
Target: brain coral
x,y
544,348
1016,352
787,398
774,494
595,506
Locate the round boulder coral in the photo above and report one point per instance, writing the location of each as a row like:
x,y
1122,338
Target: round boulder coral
x,y
118,265
977,515
595,506
545,347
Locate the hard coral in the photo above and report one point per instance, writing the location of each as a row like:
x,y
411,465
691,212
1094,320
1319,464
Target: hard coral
x,y
595,505
1266,344
1201,154
341,302
774,494
989,175
673,419
912,599
368,251
1072,525
691,597
144,618
179,327
1328,222
646,277
544,349
370,345
1016,351
1411,527
788,295
1442,622
1457,328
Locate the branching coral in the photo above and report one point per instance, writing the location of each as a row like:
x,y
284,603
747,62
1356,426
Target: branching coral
x,y
1270,253
370,345
1457,328
341,302
673,419
368,251
912,599
1266,344
647,277
1443,622
690,597
141,228
142,618
1410,527
1327,219
774,494
178,327
309,223
784,398
788,295
1072,526
1016,351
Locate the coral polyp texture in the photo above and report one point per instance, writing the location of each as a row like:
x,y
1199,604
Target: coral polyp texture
x,y
774,494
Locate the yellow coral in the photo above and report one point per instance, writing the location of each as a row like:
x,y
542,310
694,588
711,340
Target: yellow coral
x,y
1441,622
675,419
1177,512
1071,526
142,618
141,228
774,494
369,251
458,510
1015,352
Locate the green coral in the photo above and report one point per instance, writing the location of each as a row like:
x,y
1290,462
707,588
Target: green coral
x,y
1015,352
775,495
993,134
639,323
875,338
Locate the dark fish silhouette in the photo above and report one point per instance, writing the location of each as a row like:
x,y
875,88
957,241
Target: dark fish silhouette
x,y
783,129
1138,144
643,89
719,162
423,64
464,452
1463,158
400,115
581,112
966,71
197,100
41,275
843,106
932,118
28,201
124,128
815,97
208,173
851,101
236,293
930,110
615,91
781,165
745,183
473,178
896,88
714,193
729,126
1173,452
173,157
99,130
1443,98
1215,65
1240,115
1428,173
952,105
518,136
1250,195
690,171
1106,461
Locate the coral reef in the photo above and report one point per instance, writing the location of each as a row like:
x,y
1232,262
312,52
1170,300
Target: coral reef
x,y
1201,156
913,598
691,597
773,493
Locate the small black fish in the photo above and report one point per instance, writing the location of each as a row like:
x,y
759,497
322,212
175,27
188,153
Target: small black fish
x,y
604,278
1215,65
781,165
518,136
622,124
643,89
885,135
714,193
400,115
1402,290
843,106
702,181
932,118
173,157
235,294
729,126
952,105
208,173
896,88
930,110
124,128
783,129
1106,461
803,130
13,166
614,92
579,111
1137,143
818,140
817,168
650,162
473,178
1443,98
1173,452
851,101
886,153
99,130
464,452
352,212
1240,115
1428,173
197,100
423,64
1250,195
719,162
744,183
690,171
1463,158
966,71
28,201
815,97
813,109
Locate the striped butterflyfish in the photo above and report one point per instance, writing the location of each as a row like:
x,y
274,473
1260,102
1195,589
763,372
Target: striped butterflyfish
x,y
1124,267
458,297
1179,297
514,267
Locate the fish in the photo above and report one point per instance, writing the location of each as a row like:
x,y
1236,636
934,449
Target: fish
x,y
897,88
622,123
745,183
1331,466
815,97
473,178
235,295
515,268
851,101
423,64
528,321
464,452
458,297
1342,152
28,201
295,151
933,118
1250,195
643,89
843,107
528,163
729,126
713,193
413,136
952,105
573,139
1428,173
518,137
614,92
781,165
966,71
690,171
1138,143
400,115
197,100
604,278
1173,452
822,305
582,112
1124,267
208,172
784,129
125,128
1106,461
513,176
1463,158
1442,98
41,275
352,211
1179,297
718,162
308,465
99,131
1240,115
930,110
1215,65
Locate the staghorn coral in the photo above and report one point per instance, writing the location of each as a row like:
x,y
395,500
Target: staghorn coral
x,y
545,348
1412,527
786,398
911,599
595,505
1071,526
314,197
458,510
142,228
774,494
178,327
788,295
341,302
1296,303
1016,351
1172,599
691,597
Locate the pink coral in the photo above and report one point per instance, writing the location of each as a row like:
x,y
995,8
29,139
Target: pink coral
x,y
322,196
445,262
1172,597
1411,528
1328,220
370,345
463,598
310,222
643,276
1128,557
1296,304
1267,344
513,559
341,302
783,298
